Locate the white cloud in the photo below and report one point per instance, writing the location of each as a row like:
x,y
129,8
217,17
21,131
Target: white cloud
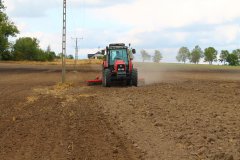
x,y
28,8
227,33
155,14
161,24
220,35
35,8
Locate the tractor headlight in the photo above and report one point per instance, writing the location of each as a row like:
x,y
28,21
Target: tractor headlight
x,y
121,67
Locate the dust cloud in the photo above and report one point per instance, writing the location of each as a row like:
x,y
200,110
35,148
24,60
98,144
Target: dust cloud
x,y
151,73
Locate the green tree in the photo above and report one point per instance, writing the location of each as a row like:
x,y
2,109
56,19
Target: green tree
x,y
7,29
27,48
157,56
232,59
210,55
70,56
41,55
59,56
237,52
223,56
50,54
196,55
145,55
183,54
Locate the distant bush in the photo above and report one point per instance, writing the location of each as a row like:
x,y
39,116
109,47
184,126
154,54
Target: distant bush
x,y
7,55
70,57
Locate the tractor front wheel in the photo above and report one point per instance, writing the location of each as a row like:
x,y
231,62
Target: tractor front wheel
x,y
129,82
135,77
107,78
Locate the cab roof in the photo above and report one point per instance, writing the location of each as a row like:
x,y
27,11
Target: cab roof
x,y
117,46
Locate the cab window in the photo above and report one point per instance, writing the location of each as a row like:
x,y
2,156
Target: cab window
x,y
119,54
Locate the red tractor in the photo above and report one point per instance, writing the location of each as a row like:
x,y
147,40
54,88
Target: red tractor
x,y
118,66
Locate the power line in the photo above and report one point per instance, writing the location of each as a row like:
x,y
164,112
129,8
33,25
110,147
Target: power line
x,y
76,52
64,44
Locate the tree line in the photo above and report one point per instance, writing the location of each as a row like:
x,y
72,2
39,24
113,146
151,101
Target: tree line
x,y
157,57
209,55
25,48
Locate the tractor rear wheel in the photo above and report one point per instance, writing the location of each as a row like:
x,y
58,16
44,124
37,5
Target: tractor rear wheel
x,y
107,78
135,77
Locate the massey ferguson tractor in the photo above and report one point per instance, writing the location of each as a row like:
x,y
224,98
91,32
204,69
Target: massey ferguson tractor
x,y
117,66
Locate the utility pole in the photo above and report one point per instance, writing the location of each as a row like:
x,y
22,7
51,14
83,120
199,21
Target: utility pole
x,y
76,52
0,5
64,34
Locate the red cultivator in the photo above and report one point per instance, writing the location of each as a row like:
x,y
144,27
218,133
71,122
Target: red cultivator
x,y
97,80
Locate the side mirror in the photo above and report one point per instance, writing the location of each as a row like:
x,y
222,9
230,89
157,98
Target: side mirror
x,y
133,51
103,52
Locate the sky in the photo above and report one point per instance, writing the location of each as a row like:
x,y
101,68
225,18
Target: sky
x,y
164,25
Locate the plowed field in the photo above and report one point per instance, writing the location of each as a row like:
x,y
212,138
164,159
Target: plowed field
x,y
181,112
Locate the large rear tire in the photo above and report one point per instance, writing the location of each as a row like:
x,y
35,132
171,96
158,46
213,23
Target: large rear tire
x,y
134,77
106,78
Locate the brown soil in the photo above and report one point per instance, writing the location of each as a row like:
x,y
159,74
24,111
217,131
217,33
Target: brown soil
x,y
178,114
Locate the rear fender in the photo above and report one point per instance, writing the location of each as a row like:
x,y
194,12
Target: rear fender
x,y
130,66
105,64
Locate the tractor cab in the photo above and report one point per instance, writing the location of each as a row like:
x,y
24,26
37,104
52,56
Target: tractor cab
x,y
117,65
117,57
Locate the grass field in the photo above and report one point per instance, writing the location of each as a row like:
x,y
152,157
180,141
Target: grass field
x,y
178,66
185,67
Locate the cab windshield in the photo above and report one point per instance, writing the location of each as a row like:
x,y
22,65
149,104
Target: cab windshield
x,y
118,54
